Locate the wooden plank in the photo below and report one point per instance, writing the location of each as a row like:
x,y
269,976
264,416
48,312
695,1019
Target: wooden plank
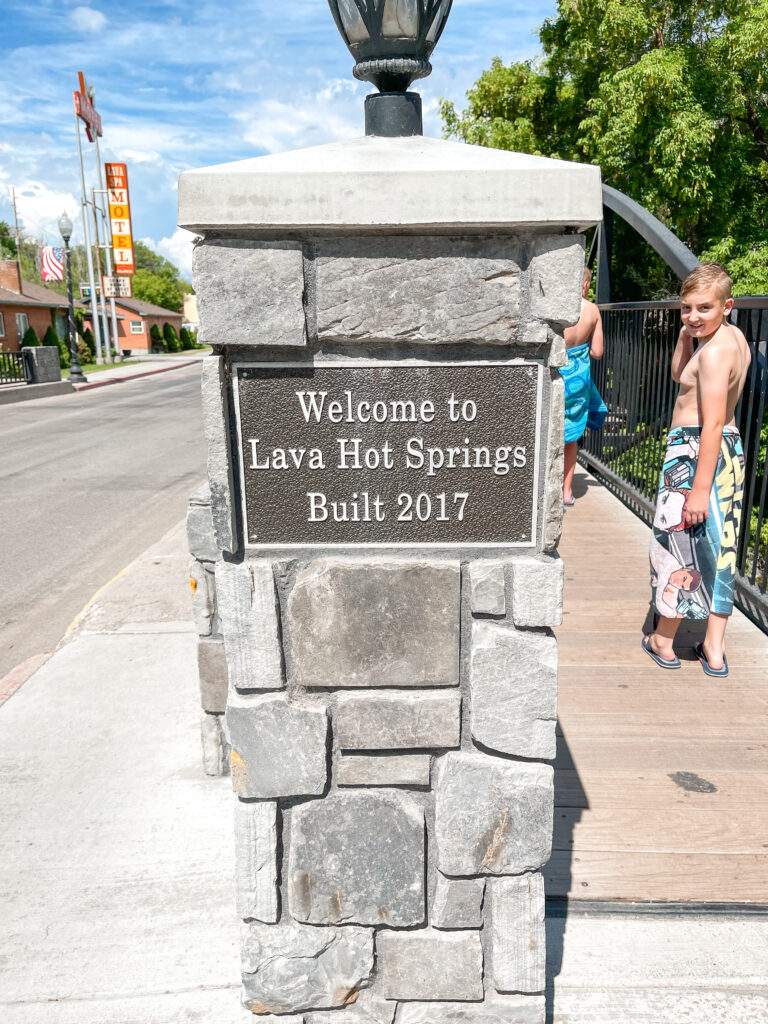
x,y
607,875
603,791
652,753
746,725
632,699
670,830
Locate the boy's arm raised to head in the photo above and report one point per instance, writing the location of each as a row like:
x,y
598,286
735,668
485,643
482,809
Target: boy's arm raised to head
x,y
682,354
712,388
596,344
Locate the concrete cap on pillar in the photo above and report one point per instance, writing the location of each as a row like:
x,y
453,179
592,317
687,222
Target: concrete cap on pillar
x,y
370,183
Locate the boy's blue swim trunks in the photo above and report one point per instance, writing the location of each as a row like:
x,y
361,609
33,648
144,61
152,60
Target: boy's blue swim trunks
x,y
583,405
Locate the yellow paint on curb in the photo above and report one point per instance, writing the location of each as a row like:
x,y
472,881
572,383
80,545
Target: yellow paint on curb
x,y
90,601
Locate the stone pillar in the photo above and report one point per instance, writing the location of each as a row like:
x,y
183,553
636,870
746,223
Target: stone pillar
x,y
384,416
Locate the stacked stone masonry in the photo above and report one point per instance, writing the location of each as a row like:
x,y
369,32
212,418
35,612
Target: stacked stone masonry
x,y
390,717
211,656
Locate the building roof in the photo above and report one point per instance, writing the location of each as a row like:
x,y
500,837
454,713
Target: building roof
x,y
32,295
146,308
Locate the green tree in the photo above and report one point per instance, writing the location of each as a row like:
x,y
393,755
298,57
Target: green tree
x,y
7,242
669,97
30,339
157,280
171,338
52,339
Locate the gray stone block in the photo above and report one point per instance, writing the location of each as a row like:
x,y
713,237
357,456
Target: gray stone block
x,y
383,770
510,1010
278,749
458,903
213,386
429,964
289,968
558,354
513,683
41,364
247,606
200,536
493,817
250,293
517,933
556,271
357,857
367,1009
375,623
256,860
486,587
203,591
553,482
537,591
215,745
212,669
397,721
418,290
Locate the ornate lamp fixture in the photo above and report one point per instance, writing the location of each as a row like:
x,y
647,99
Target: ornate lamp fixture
x,y
392,41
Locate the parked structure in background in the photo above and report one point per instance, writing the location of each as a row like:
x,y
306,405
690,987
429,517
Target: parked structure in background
x,y
24,304
135,320
191,316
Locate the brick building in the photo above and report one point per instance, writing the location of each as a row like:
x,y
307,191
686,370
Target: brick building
x,y
135,321
23,305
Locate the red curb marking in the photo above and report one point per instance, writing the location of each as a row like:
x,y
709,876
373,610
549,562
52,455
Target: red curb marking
x,y
16,678
133,376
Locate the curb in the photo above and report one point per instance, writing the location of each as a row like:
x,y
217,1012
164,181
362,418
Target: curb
x,y
15,679
133,376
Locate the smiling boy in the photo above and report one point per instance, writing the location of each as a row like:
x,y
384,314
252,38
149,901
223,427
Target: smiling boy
x,y
705,463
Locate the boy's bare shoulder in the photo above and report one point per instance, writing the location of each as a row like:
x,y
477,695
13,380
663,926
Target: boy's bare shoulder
x,y
727,347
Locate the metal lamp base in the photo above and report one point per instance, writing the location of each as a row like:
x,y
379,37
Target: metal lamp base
x,y
393,114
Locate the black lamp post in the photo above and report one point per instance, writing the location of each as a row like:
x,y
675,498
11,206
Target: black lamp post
x,y
76,374
392,41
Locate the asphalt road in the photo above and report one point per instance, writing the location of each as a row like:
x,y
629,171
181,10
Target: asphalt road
x,y
87,482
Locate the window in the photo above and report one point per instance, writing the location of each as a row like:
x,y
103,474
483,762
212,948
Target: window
x,y
22,323
2,326
137,327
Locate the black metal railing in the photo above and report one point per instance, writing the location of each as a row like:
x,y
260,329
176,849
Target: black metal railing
x,y
12,368
627,454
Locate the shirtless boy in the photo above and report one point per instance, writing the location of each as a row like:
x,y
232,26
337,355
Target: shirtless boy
x,y
693,548
583,341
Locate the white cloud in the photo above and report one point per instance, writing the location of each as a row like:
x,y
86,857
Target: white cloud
x,y
86,19
39,209
177,249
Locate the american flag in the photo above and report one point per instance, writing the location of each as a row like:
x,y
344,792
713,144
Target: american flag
x,y
53,263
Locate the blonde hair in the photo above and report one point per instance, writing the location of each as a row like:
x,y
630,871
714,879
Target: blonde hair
x,y
587,274
708,275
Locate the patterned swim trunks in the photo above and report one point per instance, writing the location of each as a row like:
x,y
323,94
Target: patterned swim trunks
x,y
693,571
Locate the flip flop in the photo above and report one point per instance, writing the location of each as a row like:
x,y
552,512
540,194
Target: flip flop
x,y
722,672
569,504
661,662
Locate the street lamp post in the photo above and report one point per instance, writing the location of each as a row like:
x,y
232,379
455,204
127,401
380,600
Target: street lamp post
x,y
76,375
392,41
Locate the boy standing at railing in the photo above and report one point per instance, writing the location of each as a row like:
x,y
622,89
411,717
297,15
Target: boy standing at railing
x,y
583,405
698,512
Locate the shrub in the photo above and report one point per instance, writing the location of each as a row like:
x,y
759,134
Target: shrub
x,y
186,339
83,352
30,339
158,345
52,339
90,343
171,338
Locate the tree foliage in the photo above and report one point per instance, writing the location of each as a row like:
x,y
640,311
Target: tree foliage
x,y
669,97
157,280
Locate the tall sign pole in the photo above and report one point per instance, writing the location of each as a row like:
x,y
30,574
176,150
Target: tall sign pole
x,y
107,252
85,111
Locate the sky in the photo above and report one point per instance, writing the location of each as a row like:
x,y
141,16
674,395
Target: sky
x,y
188,84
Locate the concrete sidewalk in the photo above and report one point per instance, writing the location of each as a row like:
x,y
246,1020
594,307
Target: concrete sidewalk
x,y
116,878
145,366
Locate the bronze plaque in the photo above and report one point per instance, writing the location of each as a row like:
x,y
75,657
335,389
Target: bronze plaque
x,y
388,454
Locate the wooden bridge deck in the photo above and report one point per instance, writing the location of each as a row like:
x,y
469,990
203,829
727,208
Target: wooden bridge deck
x,y
661,777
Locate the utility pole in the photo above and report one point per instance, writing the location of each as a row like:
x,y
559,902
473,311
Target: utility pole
x,y
18,237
